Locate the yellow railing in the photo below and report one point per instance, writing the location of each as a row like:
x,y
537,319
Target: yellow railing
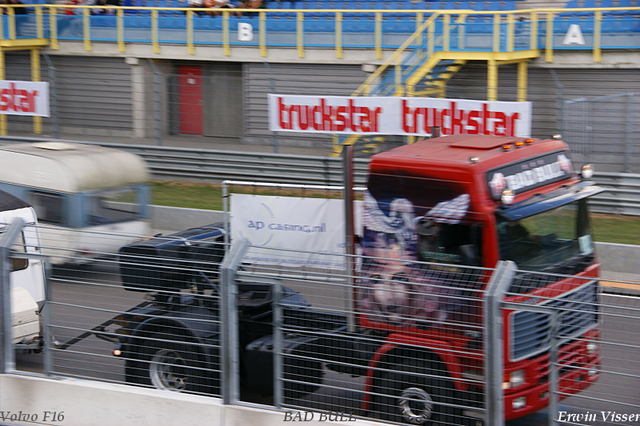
x,y
448,16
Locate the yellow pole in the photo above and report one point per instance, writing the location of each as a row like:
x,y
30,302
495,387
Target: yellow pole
x,y
300,34
496,32
522,81
461,31
597,40
154,31
191,49
12,23
120,19
86,28
53,28
533,43
263,33
446,42
548,54
39,26
3,117
225,33
510,31
492,80
35,76
378,35
338,34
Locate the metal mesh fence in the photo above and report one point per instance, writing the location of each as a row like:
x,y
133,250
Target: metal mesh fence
x,y
146,315
584,342
398,342
385,359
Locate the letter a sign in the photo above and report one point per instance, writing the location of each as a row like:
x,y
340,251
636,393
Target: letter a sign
x,y
574,35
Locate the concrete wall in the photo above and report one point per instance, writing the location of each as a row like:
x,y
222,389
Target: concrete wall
x,y
87,403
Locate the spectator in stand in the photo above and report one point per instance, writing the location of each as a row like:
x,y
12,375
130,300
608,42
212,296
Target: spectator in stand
x,y
197,4
214,6
106,3
16,10
253,4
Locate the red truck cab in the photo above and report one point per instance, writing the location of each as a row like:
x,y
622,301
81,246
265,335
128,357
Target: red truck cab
x,y
472,200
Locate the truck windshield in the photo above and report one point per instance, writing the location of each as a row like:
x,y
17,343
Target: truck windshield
x,y
553,241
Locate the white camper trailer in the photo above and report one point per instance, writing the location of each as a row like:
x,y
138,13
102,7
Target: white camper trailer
x,y
89,200
27,275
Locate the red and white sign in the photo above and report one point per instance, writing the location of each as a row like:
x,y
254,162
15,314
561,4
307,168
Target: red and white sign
x,y
397,116
24,98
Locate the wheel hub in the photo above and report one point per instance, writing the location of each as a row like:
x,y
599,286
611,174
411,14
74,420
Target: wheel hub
x,y
416,405
167,370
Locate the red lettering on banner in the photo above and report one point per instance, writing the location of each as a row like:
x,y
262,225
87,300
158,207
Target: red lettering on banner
x,y
351,117
18,100
327,118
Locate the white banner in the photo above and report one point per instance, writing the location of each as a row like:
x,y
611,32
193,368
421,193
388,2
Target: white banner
x,y
24,98
397,116
307,224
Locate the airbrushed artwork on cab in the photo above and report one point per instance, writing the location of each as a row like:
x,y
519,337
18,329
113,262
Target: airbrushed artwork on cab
x,y
392,289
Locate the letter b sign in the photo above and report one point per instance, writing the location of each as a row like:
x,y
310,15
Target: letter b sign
x,y
245,31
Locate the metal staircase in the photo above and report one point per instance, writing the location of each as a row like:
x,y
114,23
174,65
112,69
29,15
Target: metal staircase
x,y
419,74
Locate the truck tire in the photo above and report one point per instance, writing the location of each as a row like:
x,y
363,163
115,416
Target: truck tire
x,y
170,365
414,392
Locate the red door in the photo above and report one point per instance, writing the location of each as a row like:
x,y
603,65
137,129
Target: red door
x,y
190,90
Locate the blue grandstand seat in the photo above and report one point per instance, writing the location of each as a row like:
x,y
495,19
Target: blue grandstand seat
x,y
368,5
493,6
392,5
587,3
407,5
320,25
480,6
358,26
624,3
349,5
509,5
287,5
326,5
277,25
571,4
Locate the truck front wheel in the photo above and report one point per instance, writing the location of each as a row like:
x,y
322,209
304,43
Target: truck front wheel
x,y
169,365
414,392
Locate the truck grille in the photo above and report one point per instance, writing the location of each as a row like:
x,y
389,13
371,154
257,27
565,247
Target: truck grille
x,y
530,331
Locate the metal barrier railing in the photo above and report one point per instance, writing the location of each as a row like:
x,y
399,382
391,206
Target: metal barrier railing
x,y
170,163
463,30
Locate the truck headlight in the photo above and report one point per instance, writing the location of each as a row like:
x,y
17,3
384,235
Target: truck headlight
x,y
592,347
518,403
587,171
513,380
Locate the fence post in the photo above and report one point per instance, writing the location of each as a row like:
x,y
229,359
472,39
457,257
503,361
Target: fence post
x,y
53,96
627,133
278,339
229,339
497,287
46,320
157,103
7,355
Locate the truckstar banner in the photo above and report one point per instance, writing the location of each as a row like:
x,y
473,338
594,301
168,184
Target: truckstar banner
x,y
397,116
24,98
274,224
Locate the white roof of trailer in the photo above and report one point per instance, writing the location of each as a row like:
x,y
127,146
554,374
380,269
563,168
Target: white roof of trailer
x,y
70,167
